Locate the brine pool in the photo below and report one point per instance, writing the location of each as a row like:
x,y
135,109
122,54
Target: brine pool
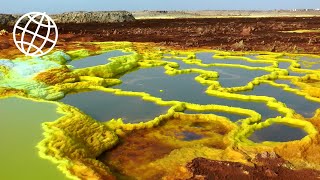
x,y
21,119
105,106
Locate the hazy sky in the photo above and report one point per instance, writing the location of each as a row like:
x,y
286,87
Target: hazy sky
x,y
54,6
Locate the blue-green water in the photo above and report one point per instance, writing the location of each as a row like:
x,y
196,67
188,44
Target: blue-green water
x,y
207,58
315,66
278,133
298,103
284,65
182,88
309,63
106,106
103,106
95,60
228,76
252,56
293,73
287,82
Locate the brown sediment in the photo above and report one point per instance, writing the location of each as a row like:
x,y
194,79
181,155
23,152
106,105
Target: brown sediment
x,y
247,34
132,152
265,167
218,33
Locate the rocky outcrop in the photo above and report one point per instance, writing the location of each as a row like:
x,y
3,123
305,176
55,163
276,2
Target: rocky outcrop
x,y
77,17
93,17
267,167
7,19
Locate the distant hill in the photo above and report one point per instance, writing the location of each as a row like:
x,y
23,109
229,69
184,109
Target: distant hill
x,y
77,17
7,19
93,17
224,13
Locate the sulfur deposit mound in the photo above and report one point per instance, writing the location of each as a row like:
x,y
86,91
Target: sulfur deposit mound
x,y
93,17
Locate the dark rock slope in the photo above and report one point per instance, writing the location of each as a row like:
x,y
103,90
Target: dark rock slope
x,y
93,17
7,19
78,17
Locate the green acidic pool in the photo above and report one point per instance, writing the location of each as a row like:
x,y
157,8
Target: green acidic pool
x,y
20,132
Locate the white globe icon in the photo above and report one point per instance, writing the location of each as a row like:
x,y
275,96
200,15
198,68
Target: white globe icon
x,y
34,32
